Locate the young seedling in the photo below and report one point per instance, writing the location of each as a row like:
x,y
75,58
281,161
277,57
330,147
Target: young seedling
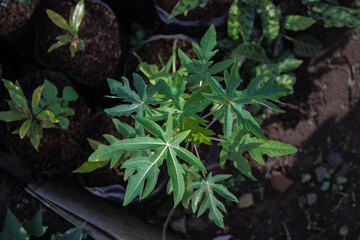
x,y
72,27
46,110
175,109
310,224
336,185
184,6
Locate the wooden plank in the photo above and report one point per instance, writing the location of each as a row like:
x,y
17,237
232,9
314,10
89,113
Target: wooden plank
x,y
71,200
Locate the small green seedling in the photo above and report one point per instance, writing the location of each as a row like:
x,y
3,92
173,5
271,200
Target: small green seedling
x,y
184,6
335,186
310,224
46,110
72,37
13,230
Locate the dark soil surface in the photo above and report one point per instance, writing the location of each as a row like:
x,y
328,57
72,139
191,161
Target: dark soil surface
x,y
214,8
58,147
14,15
100,32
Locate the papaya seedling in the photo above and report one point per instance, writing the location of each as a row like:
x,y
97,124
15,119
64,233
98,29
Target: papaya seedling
x,y
178,110
46,110
72,27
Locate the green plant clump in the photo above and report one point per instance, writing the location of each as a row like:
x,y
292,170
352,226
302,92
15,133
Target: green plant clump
x,y
72,27
178,109
260,30
13,230
46,110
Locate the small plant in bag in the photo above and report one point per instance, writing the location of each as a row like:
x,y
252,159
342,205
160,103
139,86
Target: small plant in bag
x,y
46,110
72,27
184,6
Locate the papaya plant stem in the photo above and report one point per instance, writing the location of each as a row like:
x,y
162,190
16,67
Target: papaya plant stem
x,y
197,153
214,111
198,156
211,123
163,237
216,139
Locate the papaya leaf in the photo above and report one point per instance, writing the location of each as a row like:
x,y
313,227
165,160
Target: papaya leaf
x,y
12,229
198,68
198,132
232,101
87,167
206,189
142,172
183,109
191,175
124,128
234,147
71,234
107,152
255,92
35,225
139,102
